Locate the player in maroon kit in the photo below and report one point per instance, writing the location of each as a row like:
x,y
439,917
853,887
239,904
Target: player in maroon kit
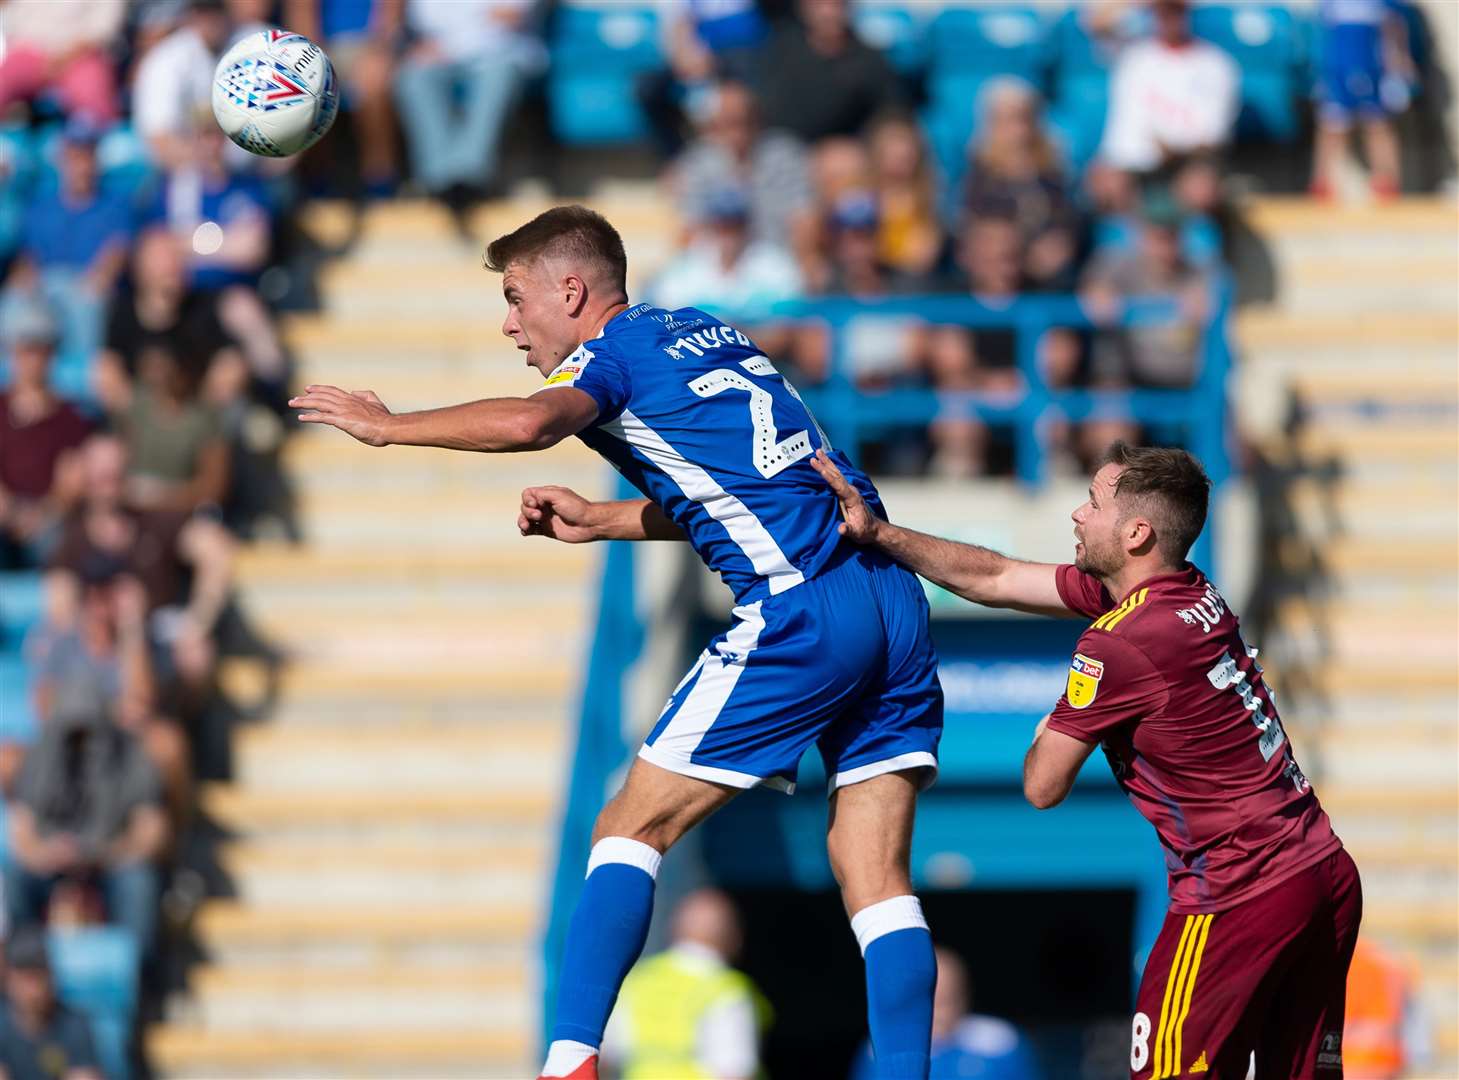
x,y
1264,901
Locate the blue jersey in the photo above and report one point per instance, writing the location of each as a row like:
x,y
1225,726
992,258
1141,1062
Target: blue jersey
x,y
699,420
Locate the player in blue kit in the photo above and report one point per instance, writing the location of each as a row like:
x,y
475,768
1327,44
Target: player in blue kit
x,y
829,644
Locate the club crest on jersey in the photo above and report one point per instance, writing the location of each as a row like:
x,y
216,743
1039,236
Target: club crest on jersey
x,y
1084,675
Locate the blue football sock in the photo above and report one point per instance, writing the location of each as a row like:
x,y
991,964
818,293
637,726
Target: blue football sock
x,y
901,972
606,935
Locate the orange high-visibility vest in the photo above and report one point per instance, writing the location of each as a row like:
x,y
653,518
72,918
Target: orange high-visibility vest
x,y
1372,1041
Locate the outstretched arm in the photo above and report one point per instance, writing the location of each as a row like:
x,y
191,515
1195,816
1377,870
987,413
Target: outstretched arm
x,y
563,514
972,572
493,425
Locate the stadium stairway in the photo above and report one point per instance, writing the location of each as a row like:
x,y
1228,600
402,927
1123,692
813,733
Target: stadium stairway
x,y
393,817
1349,389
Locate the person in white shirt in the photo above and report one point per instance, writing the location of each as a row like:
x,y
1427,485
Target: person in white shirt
x,y
1171,97
476,52
686,1011
174,82
725,269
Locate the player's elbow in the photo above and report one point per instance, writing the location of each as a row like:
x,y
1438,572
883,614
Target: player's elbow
x,y
1044,792
533,429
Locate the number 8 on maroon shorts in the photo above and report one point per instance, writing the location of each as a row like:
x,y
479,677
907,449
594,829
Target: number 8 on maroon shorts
x,y
1267,976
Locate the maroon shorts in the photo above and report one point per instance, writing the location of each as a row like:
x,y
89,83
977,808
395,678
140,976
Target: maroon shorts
x,y
1268,976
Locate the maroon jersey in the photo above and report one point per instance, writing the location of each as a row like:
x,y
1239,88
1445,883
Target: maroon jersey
x,y
1165,683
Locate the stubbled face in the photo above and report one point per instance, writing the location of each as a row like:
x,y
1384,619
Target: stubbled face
x,y
539,317
1097,522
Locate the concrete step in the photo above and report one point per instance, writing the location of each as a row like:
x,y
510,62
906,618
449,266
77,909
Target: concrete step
x,y
399,759
280,564
1362,712
1388,755
362,874
336,670
553,711
1299,294
488,597
1288,215
1433,920
1394,556
401,999
489,818
1261,329
325,628
380,1053
1267,355
404,936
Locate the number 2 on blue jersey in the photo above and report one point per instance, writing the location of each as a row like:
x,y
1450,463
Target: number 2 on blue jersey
x,y
771,454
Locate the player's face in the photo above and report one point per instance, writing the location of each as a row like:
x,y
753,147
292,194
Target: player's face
x,y
1097,526
538,319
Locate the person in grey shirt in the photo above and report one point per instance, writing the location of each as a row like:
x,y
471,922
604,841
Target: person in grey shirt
x,y
87,811
769,167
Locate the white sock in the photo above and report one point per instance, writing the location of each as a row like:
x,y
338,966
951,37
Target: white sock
x,y
565,1055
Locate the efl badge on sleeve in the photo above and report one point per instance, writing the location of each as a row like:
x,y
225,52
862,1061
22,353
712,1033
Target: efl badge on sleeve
x,y
1084,676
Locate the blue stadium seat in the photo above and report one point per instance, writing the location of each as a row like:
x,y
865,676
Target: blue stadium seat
x,y
17,715
21,603
897,30
598,52
96,969
1080,69
1268,45
990,39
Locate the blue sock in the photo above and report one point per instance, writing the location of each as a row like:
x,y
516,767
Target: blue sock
x,y
900,975
606,935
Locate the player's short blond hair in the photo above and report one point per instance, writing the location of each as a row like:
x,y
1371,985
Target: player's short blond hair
x,y
1170,486
573,234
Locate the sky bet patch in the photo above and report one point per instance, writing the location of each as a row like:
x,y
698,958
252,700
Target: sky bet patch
x,y
1084,676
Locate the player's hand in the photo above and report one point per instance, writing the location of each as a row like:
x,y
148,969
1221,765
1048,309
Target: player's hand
x,y
360,414
558,512
861,524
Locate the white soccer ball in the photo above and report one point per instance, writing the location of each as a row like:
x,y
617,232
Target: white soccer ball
x,y
274,93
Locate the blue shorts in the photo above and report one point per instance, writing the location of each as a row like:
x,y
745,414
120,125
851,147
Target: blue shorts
x,y
844,660
1351,91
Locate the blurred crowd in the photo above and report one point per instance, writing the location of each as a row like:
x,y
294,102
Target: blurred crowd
x,y
141,265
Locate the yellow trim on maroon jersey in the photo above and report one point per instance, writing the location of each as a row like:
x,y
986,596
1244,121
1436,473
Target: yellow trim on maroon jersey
x,y
1110,619
1179,990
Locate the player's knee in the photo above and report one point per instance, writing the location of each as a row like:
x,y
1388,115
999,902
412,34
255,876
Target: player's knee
x,y
657,831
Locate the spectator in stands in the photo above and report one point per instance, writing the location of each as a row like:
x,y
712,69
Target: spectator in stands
x,y
174,82
982,361
62,56
841,167
703,40
183,562
74,244
1164,355
687,1012
1015,171
178,452
39,434
820,79
1171,97
910,238
1366,71
877,349
965,1043
1385,1034
726,268
87,814
105,656
223,217
475,52
770,167
361,38
161,309
40,1039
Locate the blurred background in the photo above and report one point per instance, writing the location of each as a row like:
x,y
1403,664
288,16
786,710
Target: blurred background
x,y
301,743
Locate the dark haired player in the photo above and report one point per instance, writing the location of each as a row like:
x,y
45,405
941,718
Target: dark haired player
x,y
829,645
1264,901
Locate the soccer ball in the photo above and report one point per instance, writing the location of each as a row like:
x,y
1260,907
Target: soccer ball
x,y
274,93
